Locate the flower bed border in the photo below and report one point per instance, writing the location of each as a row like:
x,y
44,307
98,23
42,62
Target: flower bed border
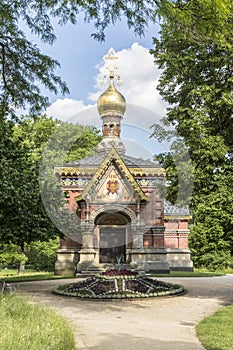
x,y
87,293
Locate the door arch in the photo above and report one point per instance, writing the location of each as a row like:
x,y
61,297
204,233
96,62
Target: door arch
x,y
113,231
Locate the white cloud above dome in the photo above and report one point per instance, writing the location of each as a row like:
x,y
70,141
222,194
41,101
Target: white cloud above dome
x,y
140,77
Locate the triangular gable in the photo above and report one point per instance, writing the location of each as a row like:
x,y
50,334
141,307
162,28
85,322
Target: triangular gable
x,y
125,184
112,187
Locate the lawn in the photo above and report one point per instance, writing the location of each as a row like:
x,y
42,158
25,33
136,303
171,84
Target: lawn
x,y
11,275
31,327
195,273
216,332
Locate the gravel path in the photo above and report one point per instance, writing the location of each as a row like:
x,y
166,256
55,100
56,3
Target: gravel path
x,y
146,324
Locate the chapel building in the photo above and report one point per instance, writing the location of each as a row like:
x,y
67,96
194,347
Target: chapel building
x,y
121,212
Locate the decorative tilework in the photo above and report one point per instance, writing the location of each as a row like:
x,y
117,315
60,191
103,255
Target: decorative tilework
x,y
148,182
77,182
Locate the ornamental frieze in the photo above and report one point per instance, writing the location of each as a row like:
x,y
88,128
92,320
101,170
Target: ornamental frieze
x,y
157,172
77,182
74,171
149,182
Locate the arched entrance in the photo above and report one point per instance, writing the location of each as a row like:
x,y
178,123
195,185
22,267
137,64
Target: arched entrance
x,y
113,231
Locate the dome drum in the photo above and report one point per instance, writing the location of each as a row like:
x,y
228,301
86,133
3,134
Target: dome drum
x,y
111,129
111,118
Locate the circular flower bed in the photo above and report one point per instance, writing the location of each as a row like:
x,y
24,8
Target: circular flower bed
x,y
119,284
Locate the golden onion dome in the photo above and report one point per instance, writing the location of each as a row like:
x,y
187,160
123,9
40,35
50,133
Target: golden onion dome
x,y
111,101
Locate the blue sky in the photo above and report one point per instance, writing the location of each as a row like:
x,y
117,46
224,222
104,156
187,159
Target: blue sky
x,y
81,59
79,53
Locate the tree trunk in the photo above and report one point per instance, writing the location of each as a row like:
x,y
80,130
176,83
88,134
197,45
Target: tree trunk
x,y
22,262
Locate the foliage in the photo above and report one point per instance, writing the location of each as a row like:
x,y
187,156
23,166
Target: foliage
x,y
198,20
67,142
119,272
22,64
211,237
12,276
215,331
42,255
35,326
24,68
197,83
11,255
22,215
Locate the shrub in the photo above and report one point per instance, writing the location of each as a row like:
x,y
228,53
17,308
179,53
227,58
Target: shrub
x,y
11,254
217,260
42,255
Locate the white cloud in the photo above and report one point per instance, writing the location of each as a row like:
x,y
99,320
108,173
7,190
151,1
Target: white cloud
x,y
140,77
65,108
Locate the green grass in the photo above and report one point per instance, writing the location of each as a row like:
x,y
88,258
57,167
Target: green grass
x,y
24,326
35,277
195,273
11,275
216,331
29,275
225,271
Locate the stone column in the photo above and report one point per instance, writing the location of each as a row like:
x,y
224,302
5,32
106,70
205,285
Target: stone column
x,y
87,253
87,239
138,212
137,237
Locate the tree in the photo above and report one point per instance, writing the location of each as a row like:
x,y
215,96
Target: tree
x,y
197,82
23,68
23,218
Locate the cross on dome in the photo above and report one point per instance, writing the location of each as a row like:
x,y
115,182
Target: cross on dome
x,y
111,69
111,106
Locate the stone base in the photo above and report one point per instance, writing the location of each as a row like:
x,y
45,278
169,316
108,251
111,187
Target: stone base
x,y
182,269
179,259
152,260
161,260
65,264
87,261
151,266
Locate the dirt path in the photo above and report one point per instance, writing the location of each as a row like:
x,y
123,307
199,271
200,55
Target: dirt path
x,y
146,324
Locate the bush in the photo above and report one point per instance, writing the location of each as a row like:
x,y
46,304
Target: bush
x,y
42,255
216,260
11,254
209,248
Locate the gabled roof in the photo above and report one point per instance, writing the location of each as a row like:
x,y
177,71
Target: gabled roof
x,y
112,157
89,165
96,160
